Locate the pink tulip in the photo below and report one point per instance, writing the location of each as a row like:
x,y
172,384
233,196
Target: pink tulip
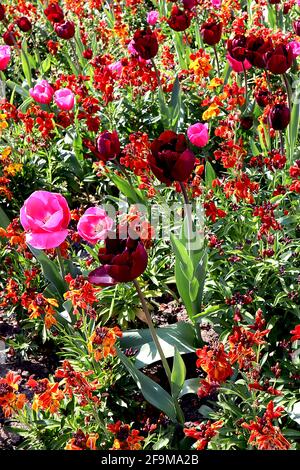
x,y
45,217
216,3
4,57
152,17
42,92
94,225
236,65
116,67
295,48
64,99
198,134
131,49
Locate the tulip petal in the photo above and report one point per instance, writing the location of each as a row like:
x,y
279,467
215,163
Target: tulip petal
x,y
100,277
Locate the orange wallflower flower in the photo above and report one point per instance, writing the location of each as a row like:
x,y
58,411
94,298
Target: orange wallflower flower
x,y
215,362
81,441
203,433
10,399
43,306
102,341
125,437
47,395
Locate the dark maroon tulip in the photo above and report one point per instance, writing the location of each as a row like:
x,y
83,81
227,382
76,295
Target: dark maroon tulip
x,y
211,32
246,122
2,12
279,60
274,2
296,26
262,97
54,13
237,47
108,146
65,30
9,38
257,47
145,43
179,19
279,117
123,260
170,159
24,24
189,4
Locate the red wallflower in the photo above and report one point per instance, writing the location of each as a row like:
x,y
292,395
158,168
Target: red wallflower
x,y
54,13
263,434
203,433
296,333
125,438
213,212
215,362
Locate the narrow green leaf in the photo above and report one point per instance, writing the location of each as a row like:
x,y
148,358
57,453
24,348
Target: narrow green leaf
x,y
178,374
151,390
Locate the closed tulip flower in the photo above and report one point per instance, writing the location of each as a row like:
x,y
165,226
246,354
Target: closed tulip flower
x,y
9,38
54,13
65,30
179,19
4,57
211,32
64,99
170,159
108,146
45,217
296,26
198,134
279,117
2,12
152,17
145,43
237,47
94,225
123,260
24,24
257,47
279,60
42,92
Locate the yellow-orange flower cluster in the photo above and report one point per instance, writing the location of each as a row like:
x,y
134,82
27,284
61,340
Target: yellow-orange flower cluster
x,y
102,341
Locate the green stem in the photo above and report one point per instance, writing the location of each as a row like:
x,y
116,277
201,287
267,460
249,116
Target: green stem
x,y
246,85
155,338
60,262
288,91
217,60
281,143
188,213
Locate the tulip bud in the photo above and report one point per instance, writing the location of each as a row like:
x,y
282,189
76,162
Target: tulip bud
x,y
145,43
54,13
170,159
280,59
211,32
65,30
262,97
108,146
179,19
279,117
246,122
9,38
24,24
296,27
237,47
2,12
